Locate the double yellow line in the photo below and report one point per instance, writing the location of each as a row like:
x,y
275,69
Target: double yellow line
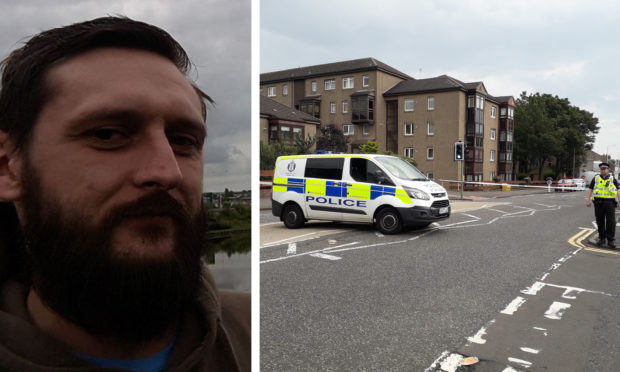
x,y
577,241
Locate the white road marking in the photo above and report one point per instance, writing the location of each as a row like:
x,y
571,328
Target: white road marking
x,y
306,253
513,306
326,256
270,223
546,206
379,234
496,210
544,330
509,369
477,338
530,350
521,362
292,248
533,290
331,241
268,245
556,310
446,361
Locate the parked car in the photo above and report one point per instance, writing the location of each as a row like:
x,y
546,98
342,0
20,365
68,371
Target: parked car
x,y
580,184
565,184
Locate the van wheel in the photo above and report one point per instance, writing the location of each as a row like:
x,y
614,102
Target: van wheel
x,y
389,221
292,216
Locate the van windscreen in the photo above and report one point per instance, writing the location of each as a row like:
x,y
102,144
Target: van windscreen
x,y
401,169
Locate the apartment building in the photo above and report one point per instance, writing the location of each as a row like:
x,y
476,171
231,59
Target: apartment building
x,y
417,118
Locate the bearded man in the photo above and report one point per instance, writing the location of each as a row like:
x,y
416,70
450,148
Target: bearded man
x,y
101,139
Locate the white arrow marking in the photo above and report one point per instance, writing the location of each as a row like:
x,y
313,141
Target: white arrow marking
x,y
326,256
292,248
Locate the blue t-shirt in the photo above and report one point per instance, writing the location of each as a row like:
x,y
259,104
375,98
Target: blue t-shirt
x,y
155,363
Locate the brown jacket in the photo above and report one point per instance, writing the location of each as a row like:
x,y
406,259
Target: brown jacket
x,y
215,335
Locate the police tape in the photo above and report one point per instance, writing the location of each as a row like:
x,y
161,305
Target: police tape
x,y
517,185
576,188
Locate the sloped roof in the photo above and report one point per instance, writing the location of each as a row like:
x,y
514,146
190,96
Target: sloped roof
x,y
355,65
439,83
273,109
505,99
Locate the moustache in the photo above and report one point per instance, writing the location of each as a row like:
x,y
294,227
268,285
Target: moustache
x,y
158,203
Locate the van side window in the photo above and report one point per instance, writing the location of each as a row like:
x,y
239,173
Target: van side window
x,y
363,170
330,168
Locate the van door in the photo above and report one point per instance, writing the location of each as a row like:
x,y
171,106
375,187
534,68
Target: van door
x,y
324,188
367,182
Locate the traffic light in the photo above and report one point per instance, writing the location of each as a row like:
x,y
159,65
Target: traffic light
x,y
459,151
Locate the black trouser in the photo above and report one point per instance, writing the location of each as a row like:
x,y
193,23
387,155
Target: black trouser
x,y
605,212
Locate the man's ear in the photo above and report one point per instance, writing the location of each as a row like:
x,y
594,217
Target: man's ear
x,y
10,177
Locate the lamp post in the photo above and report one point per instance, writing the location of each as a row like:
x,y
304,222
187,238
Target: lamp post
x,y
608,156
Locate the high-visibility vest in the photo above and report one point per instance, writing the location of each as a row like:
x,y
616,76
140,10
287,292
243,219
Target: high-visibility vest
x,y
604,189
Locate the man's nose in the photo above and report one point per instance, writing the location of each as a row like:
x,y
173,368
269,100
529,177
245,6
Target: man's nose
x,y
157,164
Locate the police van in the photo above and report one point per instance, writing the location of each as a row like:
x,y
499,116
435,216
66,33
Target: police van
x,y
380,189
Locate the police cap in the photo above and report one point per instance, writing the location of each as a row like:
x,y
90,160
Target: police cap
x,y
603,166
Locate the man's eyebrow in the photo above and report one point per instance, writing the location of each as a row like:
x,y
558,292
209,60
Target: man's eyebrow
x,y
128,116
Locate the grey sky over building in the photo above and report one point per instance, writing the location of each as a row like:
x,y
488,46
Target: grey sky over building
x,y
567,48
215,34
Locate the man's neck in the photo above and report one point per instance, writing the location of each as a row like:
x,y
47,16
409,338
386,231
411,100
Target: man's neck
x,y
86,343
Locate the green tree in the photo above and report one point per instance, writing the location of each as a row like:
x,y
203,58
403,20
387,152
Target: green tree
x,y
370,147
332,139
551,131
304,146
269,152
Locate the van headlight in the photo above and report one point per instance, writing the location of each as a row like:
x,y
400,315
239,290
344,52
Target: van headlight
x,y
417,194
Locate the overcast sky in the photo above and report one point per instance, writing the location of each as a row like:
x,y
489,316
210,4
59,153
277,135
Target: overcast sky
x,y
562,47
215,34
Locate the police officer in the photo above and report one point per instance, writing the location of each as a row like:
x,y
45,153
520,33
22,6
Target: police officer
x,y
604,187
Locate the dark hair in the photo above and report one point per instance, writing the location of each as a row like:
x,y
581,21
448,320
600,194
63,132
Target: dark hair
x,y
24,91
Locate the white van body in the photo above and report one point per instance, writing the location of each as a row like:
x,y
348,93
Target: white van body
x,y
369,188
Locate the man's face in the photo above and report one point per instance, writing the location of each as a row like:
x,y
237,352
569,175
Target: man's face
x,y
120,124
604,171
111,203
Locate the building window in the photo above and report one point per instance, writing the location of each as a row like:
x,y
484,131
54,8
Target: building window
x,y
311,107
430,129
408,129
409,152
271,92
430,153
332,107
365,81
408,104
492,157
492,134
430,175
491,176
347,82
348,129
287,133
366,129
509,136
471,101
362,109
330,84
313,86
493,112
285,90
345,107
480,102
511,113
431,103
502,112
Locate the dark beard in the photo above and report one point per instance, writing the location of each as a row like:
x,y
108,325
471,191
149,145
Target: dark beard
x,y
76,273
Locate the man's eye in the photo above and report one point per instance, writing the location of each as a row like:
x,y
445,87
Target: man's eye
x,y
184,141
107,134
